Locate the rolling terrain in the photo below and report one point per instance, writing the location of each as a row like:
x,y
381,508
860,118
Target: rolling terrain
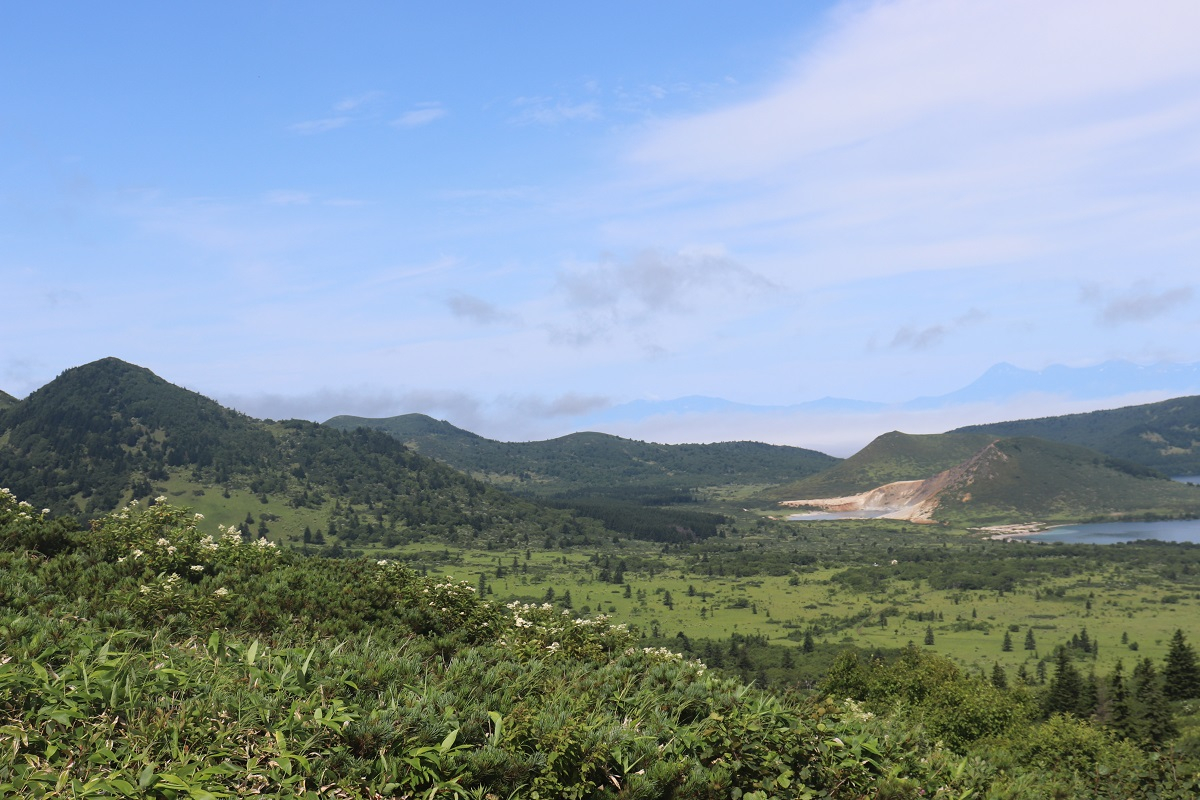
x,y
1164,436
596,463
1001,480
108,432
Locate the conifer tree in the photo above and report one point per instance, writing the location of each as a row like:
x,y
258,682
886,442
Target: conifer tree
x,y
1154,716
1007,646
1120,713
929,634
1064,695
999,678
1029,642
1181,675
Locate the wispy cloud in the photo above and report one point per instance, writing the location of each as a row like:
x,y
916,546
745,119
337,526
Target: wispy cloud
x,y
1143,304
909,127
914,338
355,102
653,281
423,114
629,293
287,197
567,405
475,309
346,111
548,111
314,126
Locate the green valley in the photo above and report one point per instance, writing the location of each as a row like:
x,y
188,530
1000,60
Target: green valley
x,y
286,608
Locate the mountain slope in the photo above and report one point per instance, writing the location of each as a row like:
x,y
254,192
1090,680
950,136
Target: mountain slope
x,y
596,462
109,431
1021,479
1164,436
6,400
891,457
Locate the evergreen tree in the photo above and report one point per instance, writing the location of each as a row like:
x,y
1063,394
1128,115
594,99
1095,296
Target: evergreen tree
x,y
999,678
1064,694
929,634
1030,644
1154,716
808,645
1120,713
1007,646
1181,675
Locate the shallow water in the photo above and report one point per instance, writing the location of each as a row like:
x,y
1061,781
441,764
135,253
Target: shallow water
x,y
1174,530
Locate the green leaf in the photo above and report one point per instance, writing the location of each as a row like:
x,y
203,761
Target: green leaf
x,y
252,653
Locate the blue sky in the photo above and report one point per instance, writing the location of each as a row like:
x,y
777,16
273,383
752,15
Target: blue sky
x,y
511,215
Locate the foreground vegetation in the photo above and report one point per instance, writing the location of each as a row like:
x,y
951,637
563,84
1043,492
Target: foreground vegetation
x,y
148,657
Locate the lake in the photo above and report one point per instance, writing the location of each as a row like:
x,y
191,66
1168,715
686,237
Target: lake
x,y
821,516
1173,530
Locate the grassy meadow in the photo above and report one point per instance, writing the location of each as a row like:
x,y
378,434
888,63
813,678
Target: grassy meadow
x,y
779,580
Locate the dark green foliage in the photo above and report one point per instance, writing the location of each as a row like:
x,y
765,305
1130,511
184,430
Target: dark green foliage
x,y
891,457
127,673
1160,436
597,463
109,430
1153,714
1181,674
986,480
1065,693
644,522
97,430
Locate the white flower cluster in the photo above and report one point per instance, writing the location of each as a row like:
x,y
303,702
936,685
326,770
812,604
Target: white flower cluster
x,y
854,710
23,508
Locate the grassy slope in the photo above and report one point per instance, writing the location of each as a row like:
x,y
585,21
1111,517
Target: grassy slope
x,y
596,462
1027,478
108,431
891,457
1164,436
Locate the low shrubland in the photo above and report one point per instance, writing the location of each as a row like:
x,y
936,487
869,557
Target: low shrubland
x,y
146,657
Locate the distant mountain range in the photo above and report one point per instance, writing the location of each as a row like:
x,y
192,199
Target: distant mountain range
x,y
998,384
109,431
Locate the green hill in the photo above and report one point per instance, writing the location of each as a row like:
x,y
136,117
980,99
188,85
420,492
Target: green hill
x,y
1024,478
980,479
107,432
891,457
1164,436
597,463
6,400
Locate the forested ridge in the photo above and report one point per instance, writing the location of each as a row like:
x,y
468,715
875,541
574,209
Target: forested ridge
x,y
596,463
1164,436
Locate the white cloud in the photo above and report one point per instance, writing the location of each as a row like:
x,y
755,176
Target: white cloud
x,y
421,115
935,134
355,102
